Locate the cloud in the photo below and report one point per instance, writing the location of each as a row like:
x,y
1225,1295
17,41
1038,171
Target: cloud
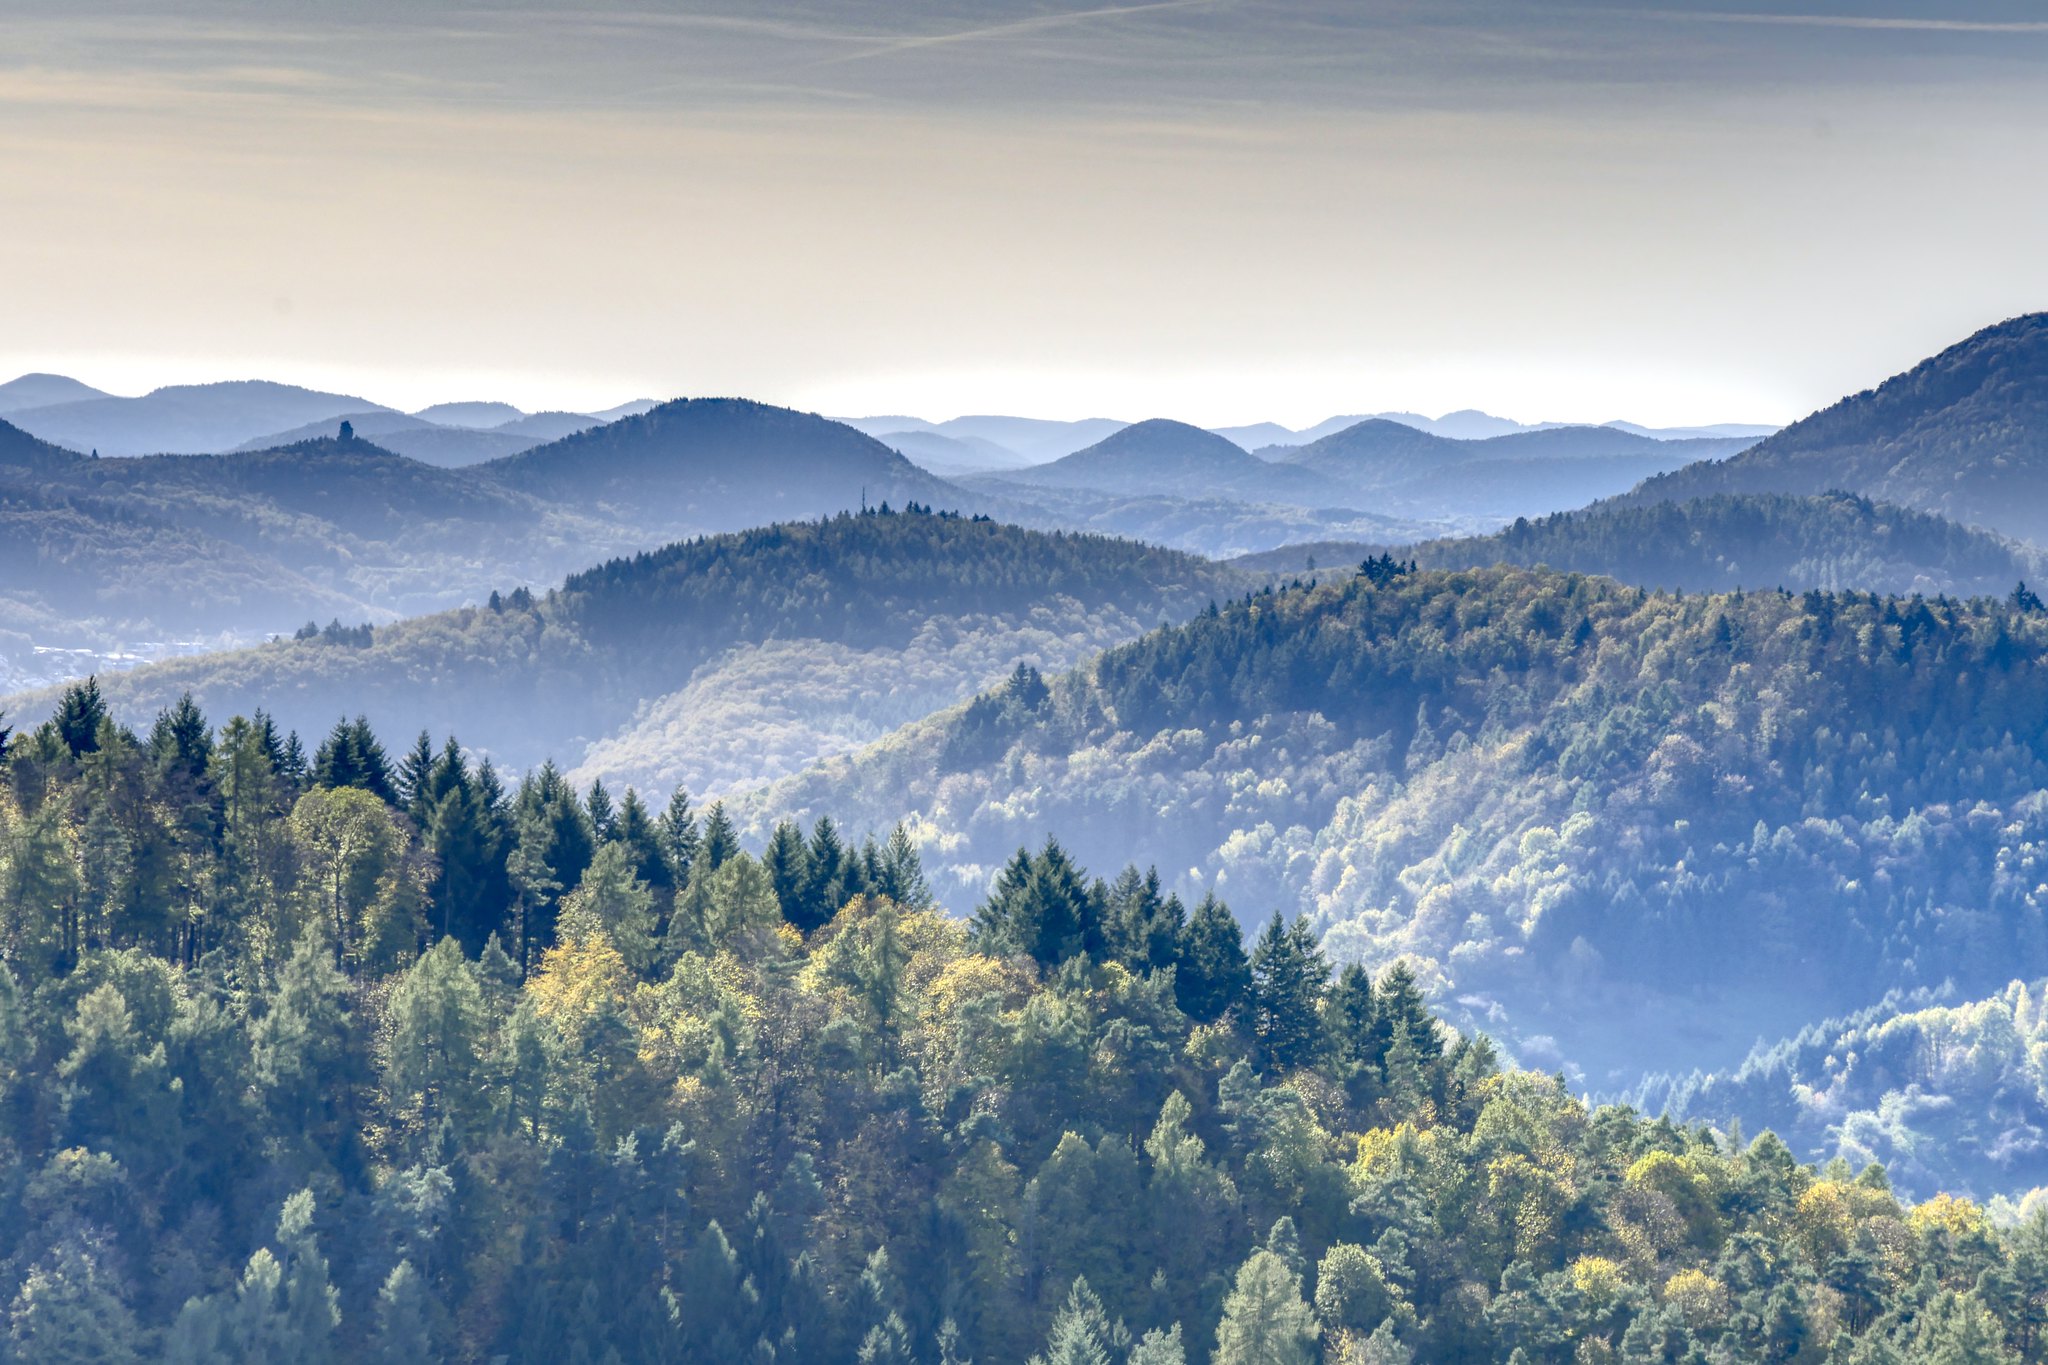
x,y
1017,28
1868,22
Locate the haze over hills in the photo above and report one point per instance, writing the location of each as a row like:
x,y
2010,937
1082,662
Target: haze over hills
x,y
1757,541
1390,466
1166,457
42,390
450,446
185,418
1964,433
396,536
719,662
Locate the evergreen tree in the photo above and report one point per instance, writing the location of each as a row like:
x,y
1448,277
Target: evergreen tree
x,y
637,830
899,873
788,864
1289,978
679,838
415,776
825,877
719,841
603,815
1265,1321
1213,973
67,1312
81,711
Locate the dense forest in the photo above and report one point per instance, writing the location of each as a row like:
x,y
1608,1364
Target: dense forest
x,y
718,661
1714,544
321,1056
1726,815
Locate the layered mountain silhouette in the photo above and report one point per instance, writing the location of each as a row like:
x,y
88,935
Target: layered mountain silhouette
x,y
1162,456
185,418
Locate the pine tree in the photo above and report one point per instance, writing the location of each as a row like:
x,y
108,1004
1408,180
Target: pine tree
x,y
719,841
81,710
603,816
1081,1332
1265,1321
1289,978
788,864
1213,973
679,838
404,1331
415,776
900,872
637,830
824,885
67,1310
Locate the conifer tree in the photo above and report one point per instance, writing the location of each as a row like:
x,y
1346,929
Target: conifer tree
x,y
1288,979
1213,973
1265,1321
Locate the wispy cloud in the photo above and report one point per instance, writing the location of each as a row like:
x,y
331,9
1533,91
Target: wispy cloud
x,y
1017,28
1874,22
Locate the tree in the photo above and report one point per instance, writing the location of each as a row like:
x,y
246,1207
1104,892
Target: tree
x,y
1289,978
67,1313
1081,1332
788,864
404,1332
719,840
435,1021
1265,1321
901,872
354,854
81,710
678,837
350,756
611,898
1213,974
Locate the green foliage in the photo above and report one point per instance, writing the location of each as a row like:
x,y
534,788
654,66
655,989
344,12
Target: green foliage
x,y
1556,797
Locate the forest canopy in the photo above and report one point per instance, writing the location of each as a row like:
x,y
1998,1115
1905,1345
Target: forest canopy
x,y
363,1053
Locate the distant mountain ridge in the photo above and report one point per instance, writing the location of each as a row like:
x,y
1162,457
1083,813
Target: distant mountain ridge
x,y
185,419
1757,541
1163,456
1964,433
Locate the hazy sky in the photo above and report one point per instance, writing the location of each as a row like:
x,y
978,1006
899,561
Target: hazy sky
x,y
1223,210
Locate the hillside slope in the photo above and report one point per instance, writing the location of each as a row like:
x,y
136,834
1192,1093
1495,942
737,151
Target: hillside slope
x,y
1715,544
185,418
720,661
1964,433
1565,798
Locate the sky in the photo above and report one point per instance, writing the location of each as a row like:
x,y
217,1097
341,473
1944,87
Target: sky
x,y
1218,210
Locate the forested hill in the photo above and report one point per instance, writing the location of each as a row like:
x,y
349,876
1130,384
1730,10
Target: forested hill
x,y
725,462
320,1058
1713,544
1165,457
850,626
1964,434
1572,801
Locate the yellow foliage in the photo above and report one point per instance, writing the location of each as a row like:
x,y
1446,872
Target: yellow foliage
x,y
1959,1218
576,978
1825,1221
1700,1298
1599,1280
970,978
1386,1151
